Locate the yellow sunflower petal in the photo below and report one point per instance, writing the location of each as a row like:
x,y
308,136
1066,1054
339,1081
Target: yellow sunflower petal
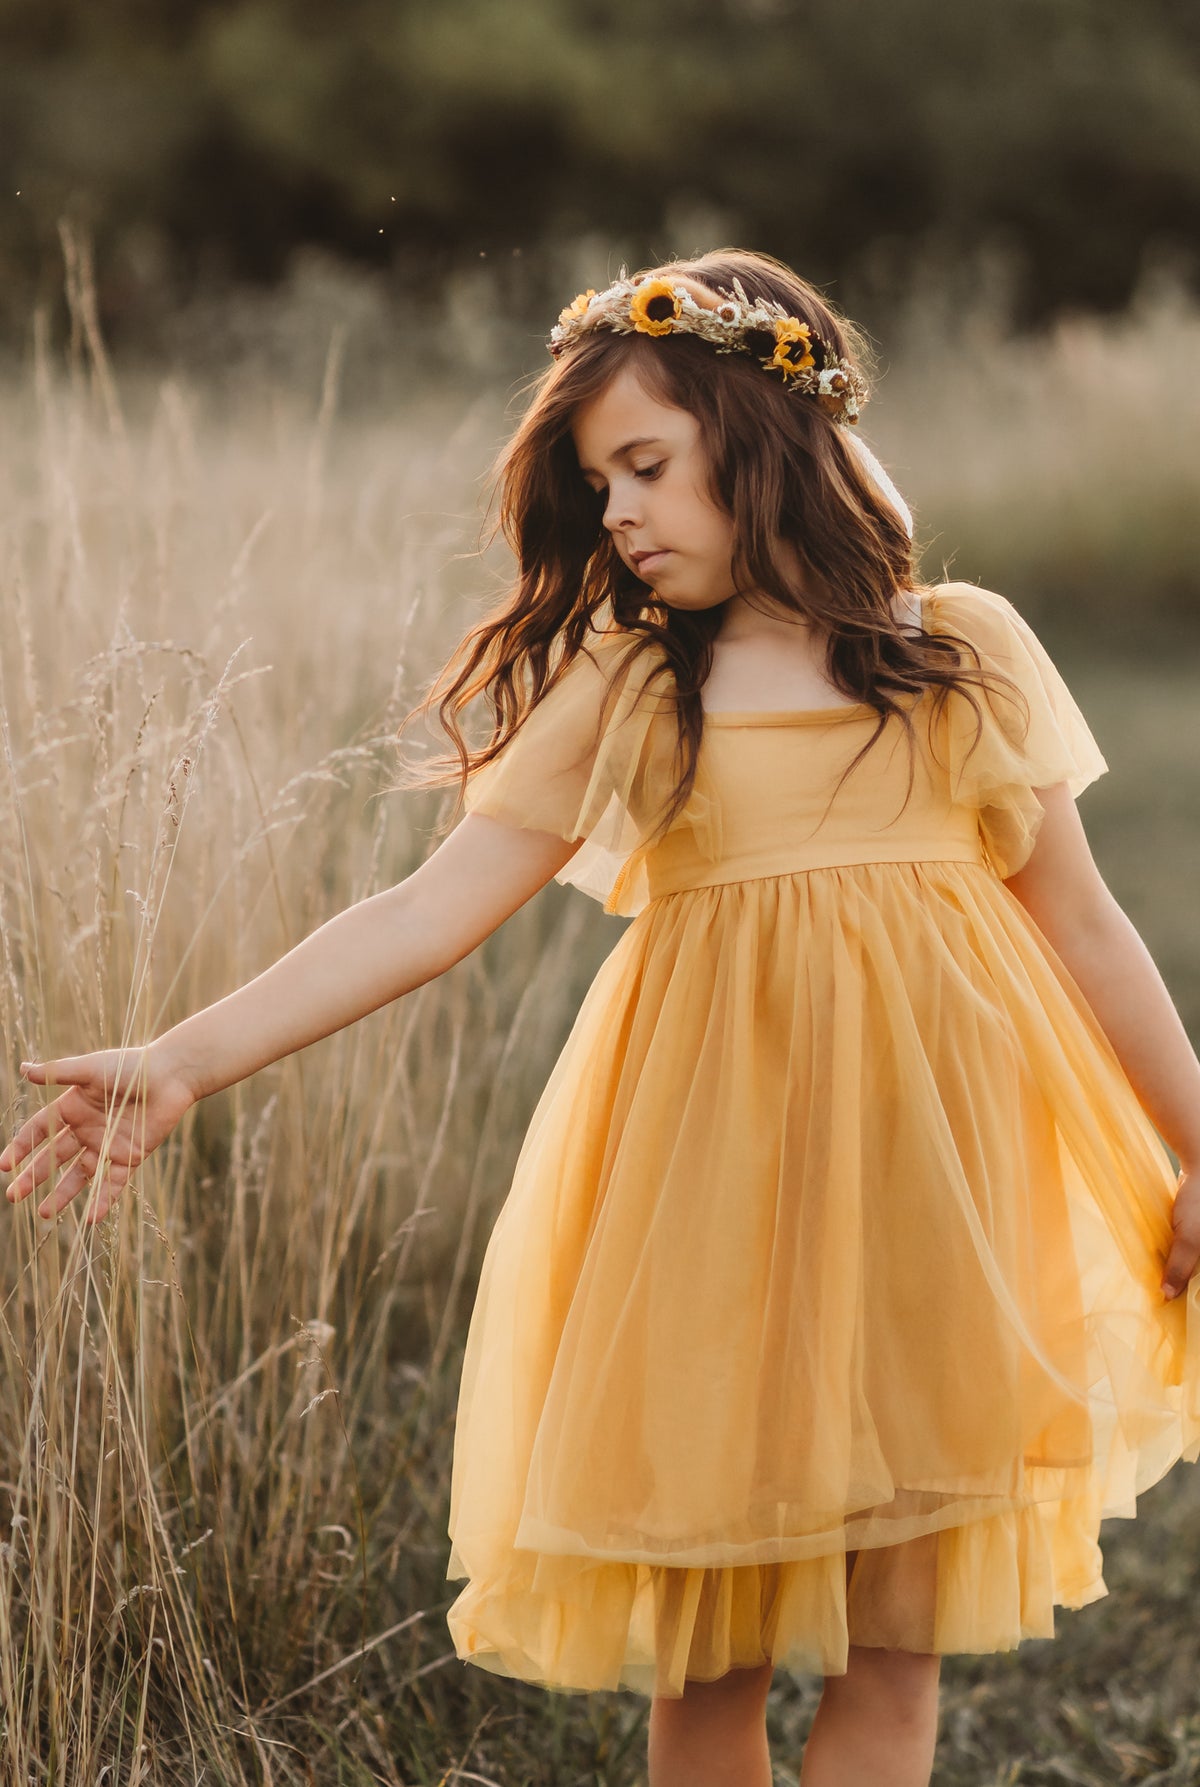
x,y
657,293
577,306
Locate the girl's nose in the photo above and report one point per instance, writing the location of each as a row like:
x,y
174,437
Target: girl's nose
x,y
623,508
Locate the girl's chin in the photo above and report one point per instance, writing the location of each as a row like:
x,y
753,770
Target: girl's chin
x,y
681,598
666,586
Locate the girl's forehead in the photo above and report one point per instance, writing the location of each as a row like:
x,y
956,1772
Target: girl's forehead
x,y
625,412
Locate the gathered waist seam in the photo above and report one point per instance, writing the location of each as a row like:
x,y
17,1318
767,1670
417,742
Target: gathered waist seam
x,y
876,862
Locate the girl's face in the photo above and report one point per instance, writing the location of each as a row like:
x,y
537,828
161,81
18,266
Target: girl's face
x,y
645,457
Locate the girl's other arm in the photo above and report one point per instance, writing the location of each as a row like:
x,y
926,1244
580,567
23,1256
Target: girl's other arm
x,y
373,952
369,954
1062,890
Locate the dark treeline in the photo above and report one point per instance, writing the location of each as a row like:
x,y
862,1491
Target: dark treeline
x,y
203,140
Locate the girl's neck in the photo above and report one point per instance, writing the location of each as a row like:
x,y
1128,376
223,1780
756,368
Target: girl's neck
x,y
754,615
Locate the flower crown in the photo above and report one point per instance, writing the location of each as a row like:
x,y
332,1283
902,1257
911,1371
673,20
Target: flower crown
x,y
731,323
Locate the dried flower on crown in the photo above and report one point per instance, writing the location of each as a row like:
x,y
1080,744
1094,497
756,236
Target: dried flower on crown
x,y
579,306
793,348
730,323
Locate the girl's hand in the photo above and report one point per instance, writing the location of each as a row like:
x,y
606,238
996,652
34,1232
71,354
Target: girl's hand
x,y
122,1102
1185,1248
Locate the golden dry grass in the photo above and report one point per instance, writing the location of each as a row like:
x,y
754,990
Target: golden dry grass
x,y
225,1418
1060,468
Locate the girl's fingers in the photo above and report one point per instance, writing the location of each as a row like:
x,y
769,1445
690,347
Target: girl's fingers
x,y
1184,1255
23,1143
71,1182
94,1075
78,1174
64,1147
71,1070
32,1133
47,1143
1181,1261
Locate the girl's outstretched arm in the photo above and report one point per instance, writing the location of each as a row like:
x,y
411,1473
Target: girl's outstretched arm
x,y
1065,895
120,1104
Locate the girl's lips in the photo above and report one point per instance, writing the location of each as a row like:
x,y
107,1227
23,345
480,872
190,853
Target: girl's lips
x,y
646,561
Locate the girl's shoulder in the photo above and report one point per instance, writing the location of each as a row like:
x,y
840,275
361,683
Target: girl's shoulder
x,y
996,631
614,650
1021,729
954,606
1004,642
607,672
586,730
615,672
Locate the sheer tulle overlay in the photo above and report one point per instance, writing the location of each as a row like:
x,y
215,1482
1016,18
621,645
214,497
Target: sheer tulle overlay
x,y
824,1307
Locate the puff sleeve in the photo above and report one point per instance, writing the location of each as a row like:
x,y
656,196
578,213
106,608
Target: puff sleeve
x,y
1033,742
584,771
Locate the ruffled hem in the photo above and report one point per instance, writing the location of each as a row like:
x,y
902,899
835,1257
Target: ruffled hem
x,y
580,1625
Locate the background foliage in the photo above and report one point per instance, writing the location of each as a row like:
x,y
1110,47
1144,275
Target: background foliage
x,y
208,139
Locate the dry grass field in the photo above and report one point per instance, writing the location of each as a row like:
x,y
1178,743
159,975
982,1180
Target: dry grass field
x,y
226,1414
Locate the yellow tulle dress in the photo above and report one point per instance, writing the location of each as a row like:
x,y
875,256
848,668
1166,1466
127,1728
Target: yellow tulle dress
x,y
825,1305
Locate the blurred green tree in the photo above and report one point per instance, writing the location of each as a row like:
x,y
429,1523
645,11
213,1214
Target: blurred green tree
x,y
208,138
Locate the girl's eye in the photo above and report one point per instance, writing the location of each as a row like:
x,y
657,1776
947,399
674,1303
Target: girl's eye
x,y
647,472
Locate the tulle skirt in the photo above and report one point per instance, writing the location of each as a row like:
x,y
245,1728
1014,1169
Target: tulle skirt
x,y
824,1308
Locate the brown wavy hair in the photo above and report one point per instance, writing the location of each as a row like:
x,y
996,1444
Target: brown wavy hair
x,y
779,465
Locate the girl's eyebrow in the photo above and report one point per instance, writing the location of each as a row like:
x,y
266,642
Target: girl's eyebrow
x,y
643,440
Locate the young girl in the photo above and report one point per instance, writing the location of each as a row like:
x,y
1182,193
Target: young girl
x,y
836,1299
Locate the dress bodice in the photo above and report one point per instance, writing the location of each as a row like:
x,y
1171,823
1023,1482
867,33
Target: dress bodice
x,y
777,807
769,796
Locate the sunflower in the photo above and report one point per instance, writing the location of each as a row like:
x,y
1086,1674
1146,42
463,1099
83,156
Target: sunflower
x,y
577,306
655,308
793,347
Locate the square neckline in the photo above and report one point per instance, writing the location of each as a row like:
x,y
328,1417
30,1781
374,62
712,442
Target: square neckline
x,y
780,716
